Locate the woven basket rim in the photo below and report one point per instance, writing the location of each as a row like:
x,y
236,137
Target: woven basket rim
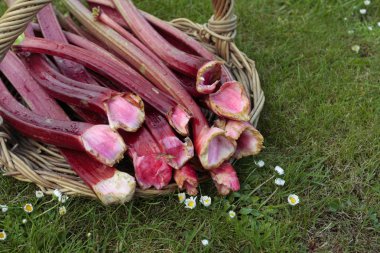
x,y
29,161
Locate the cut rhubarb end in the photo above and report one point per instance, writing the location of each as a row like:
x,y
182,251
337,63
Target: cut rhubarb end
x,y
187,179
225,179
151,170
208,77
179,119
104,144
249,140
125,112
117,189
178,152
214,147
230,101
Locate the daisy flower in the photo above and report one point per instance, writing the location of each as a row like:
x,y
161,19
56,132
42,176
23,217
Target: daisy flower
x,y
370,28
57,194
3,235
260,163
204,242
39,194
24,221
355,48
4,208
64,198
206,201
279,170
367,2
28,208
62,210
293,199
378,24
363,11
350,32
191,202
181,197
232,214
279,181
88,235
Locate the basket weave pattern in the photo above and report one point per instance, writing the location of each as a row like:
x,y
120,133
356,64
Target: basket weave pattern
x,y
29,161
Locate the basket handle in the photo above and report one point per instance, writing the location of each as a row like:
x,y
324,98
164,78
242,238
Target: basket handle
x,y
14,21
222,25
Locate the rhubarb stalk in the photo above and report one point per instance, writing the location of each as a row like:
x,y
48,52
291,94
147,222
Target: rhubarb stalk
x,y
207,73
207,140
116,71
110,185
225,179
187,179
151,168
124,110
178,152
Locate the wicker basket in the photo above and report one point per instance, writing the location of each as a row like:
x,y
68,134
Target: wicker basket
x,y
30,161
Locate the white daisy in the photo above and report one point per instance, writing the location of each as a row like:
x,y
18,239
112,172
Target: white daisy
x,y
28,208
204,242
39,194
62,210
345,19
279,181
64,198
3,235
363,11
57,194
350,32
367,2
279,170
378,24
232,214
370,28
206,201
260,163
24,221
355,48
181,197
4,208
89,235
293,199
191,202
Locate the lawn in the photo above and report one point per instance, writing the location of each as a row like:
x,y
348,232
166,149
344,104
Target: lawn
x,y
322,125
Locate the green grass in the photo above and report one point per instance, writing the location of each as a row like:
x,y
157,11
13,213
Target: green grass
x,y
321,123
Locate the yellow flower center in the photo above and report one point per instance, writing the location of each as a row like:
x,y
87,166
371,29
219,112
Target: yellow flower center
x,y
191,204
2,235
28,208
293,200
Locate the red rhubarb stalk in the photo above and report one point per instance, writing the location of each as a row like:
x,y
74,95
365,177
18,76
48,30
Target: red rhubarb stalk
x,y
97,140
151,168
116,71
225,179
187,179
207,73
109,185
123,110
205,138
249,140
231,100
178,152
52,30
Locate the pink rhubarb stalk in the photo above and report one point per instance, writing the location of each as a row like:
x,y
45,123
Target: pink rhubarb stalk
x,y
52,30
124,110
110,185
116,71
207,73
98,141
187,179
151,168
249,140
225,179
166,81
178,152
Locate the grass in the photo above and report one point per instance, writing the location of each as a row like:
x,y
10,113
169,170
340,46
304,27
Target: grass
x,y
321,123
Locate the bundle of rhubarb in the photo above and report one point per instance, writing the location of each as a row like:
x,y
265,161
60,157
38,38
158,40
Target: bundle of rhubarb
x,y
108,81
